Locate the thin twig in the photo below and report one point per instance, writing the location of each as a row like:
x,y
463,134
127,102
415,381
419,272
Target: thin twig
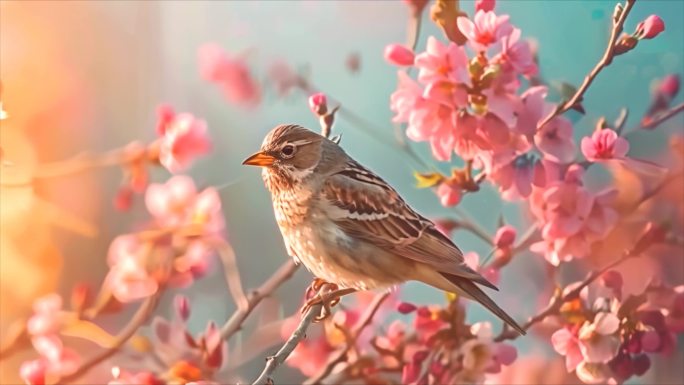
x,y
557,301
139,318
606,59
272,362
234,323
467,223
231,273
662,117
341,354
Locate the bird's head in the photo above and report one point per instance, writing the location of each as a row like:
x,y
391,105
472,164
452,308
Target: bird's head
x,y
291,153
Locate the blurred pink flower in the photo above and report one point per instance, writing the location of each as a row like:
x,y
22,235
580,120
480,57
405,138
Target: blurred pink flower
x,y
555,141
282,76
59,360
442,62
531,110
482,355
668,86
472,259
47,315
399,55
566,343
310,354
485,5
231,74
183,138
318,103
599,342
449,194
516,178
604,144
177,203
122,377
128,277
427,322
33,372
485,29
651,27
505,236
516,55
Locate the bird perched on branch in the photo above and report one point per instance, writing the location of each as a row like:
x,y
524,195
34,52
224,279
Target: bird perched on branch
x,y
350,228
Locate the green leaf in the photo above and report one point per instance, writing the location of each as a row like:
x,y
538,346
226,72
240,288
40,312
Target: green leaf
x,y
89,331
425,180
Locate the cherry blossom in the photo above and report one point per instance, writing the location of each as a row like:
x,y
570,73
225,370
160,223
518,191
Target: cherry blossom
x,y
183,139
33,372
485,29
231,74
604,144
651,27
399,55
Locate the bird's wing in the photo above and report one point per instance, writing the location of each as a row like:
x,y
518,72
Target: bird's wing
x,y
365,207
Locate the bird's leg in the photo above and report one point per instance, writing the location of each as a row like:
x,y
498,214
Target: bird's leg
x,y
328,296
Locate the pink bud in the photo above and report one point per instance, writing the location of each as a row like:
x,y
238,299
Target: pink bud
x,y
182,306
484,5
123,198
651,27
449,195
33,372
651,341
165,115
399,55
318,103
406,308
612,280
505,236
669,86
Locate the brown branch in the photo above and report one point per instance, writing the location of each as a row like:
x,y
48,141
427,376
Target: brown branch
x,y
662,117
341,354
272,362
606,59
139,318
234,324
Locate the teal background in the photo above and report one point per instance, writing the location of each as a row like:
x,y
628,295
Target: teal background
x,y
154,59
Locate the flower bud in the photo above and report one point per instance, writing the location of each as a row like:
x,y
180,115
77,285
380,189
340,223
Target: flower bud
x,y
449,195
182,307
651,27
625,44
406,308
318,103
399,55
33,372
612,280
123,200
484,5
669,86
505,236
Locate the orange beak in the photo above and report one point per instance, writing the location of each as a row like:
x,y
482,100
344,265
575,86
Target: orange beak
x,y
259,159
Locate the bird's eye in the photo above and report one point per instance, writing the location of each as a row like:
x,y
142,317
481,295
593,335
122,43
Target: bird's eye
x,y
288,151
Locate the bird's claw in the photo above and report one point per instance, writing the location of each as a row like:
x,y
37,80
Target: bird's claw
x,y
325,294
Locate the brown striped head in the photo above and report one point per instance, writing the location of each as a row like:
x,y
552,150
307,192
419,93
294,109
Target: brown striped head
x,y
289,154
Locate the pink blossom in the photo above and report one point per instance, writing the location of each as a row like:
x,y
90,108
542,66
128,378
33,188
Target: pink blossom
x,y
531,110
231,74
59,360
668,86
183,138
516,178
484,5
122,377
427,322
128,277
651,27
177,203
449,194
505,236
310,354
555,141
566,343
33,372
481,354
599,341
442,62
399,55
516,55
485,29
318,103
604,144
282,76
47,315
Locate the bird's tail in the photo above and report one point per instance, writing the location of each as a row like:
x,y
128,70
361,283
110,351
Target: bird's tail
x,y
472,291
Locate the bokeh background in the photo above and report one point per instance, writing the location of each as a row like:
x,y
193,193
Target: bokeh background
x,y
87,76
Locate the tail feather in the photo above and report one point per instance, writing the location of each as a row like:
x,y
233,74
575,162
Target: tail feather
x,y
475,293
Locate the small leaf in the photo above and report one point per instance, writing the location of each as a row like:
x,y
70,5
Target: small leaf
x,y
425,180
88,331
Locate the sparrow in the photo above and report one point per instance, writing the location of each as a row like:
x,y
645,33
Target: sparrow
x,y
348,227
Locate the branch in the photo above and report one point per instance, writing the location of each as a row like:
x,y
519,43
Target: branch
x,y
341,354
606,59
234,324
139,318
652,122
272,362
231,273
557,301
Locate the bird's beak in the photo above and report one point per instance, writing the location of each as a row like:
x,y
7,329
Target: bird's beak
x,y
259,159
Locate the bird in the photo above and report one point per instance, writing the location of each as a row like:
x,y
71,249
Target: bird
x,y
349,227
